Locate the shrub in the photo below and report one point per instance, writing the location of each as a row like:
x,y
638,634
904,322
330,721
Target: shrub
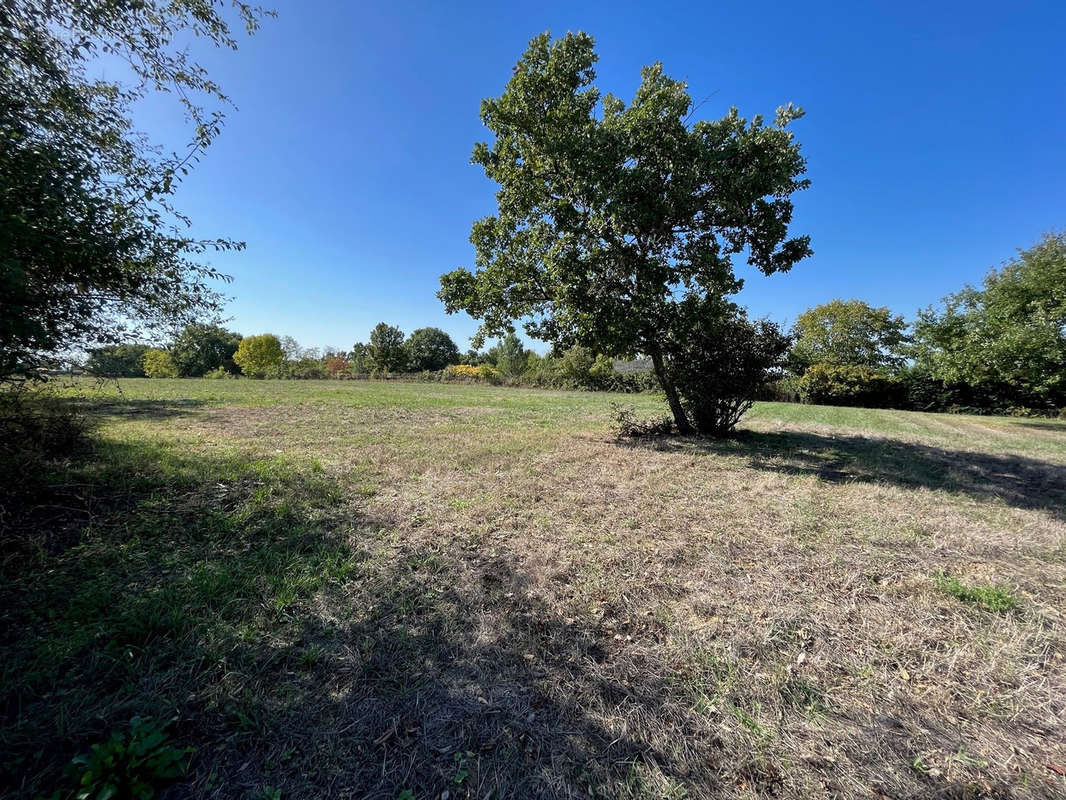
x,y
219,373
849,385
721,362
159,364
468,373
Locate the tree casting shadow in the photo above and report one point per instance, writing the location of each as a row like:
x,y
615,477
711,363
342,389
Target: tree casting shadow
x,y
1019,481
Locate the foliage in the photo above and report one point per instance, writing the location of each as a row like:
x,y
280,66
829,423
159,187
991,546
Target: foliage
x,y
200,348
848,332
117,361
386,352
852,385
509,356
133,764
158,364
991,597
219,373
467,373
337,366
608,212
360,359
719,361
92,249
259,356
430,349
1008,339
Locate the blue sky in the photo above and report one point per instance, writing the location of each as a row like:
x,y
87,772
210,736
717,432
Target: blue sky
x,y
934,137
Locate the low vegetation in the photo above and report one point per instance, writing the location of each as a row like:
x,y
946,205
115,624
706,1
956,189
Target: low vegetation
x,y
392,589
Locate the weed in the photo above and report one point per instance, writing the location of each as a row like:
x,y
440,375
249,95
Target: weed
x,y
131,764
996,598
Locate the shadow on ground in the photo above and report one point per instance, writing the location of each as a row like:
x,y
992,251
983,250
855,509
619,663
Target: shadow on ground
x,y
1018,481
295,645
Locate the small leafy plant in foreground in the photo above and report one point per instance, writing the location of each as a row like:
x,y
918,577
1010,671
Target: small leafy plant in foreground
x,y
132,764
991,597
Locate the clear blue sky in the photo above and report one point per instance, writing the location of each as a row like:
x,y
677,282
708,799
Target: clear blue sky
x,y
935,137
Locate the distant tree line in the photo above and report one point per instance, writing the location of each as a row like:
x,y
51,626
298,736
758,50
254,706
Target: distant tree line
x,y
997,348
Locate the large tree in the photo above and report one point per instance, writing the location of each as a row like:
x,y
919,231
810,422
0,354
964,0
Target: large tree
x,y
849,333
200,348
612,214
386,351
259,356
430,349
1006,340
91,248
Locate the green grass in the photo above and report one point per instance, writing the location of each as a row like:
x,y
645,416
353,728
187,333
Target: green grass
x,y
990,597
324,589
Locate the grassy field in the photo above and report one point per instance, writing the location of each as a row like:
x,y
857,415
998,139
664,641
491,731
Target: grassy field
x,y
406,590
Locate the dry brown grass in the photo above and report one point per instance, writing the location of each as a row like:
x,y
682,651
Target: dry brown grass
x,y
540,610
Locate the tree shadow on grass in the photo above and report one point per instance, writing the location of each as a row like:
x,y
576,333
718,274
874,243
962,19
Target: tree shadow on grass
x,y
137,408
1018,481
253,606
292,642
1044,425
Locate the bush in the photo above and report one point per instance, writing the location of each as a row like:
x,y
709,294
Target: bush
x,y
159,364
850,385
467,373
721,362
219,373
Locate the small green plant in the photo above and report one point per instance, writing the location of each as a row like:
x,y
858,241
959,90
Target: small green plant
x,y
991,597
461,772
130,764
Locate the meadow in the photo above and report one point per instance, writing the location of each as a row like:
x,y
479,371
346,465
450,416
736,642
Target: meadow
x,y
354,589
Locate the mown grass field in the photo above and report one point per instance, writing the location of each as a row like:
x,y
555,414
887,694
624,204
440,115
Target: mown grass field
x,y
406,590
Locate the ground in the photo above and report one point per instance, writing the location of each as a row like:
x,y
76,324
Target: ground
x,y
415,590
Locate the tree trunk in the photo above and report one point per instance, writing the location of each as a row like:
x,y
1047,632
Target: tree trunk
x,y
680,418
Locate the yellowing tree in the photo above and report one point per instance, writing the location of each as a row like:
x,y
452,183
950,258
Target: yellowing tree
x,y
259,356
159,364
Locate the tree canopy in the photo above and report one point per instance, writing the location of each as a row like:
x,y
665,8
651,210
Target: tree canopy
x,y
386,352
430,349
1009,336
91,248
259,356
612,214
849,333
200,348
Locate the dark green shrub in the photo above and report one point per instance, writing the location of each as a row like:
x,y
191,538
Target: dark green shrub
x,y
722,362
